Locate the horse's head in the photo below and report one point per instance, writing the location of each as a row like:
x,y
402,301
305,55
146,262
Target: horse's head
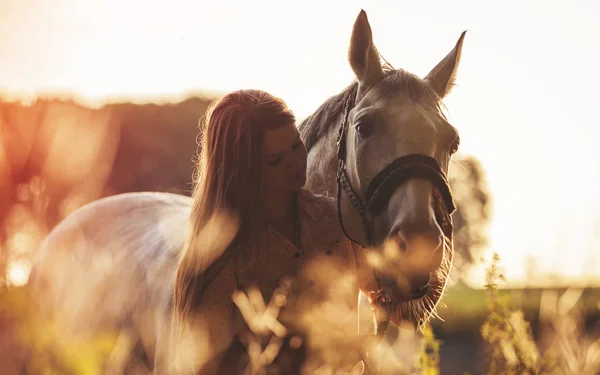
x,y
396,146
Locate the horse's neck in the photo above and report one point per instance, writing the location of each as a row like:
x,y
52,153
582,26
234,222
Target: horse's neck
x,y
322,164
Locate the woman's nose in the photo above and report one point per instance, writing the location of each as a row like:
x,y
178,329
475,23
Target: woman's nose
x,y
295,161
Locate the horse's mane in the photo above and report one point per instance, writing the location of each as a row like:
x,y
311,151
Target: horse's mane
x,y
315,126
320,122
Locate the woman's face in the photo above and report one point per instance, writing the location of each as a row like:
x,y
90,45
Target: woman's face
x,y
284,160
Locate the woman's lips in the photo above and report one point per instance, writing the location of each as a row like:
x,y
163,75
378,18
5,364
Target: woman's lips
x,y
298,176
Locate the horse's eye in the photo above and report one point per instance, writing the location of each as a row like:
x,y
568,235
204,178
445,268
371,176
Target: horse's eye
x,y
364,128
454,147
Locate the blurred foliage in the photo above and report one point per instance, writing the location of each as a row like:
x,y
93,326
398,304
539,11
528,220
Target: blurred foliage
x,y
570,348
31,344
473,210
429,359
513,348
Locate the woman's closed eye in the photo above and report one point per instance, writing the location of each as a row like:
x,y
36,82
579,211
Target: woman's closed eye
x,y
275,161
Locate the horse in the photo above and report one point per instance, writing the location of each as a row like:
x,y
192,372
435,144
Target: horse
x,y
381,148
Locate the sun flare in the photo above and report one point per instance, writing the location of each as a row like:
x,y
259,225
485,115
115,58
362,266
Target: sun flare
x,y
508,115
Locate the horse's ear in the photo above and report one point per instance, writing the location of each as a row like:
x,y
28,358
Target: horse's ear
x,y
442,77
362,54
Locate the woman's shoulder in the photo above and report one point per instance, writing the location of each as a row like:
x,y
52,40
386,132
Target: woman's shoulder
x,y
321,224
320,217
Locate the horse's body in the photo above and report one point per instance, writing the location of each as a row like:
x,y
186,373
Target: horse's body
x,y
108,267
110,264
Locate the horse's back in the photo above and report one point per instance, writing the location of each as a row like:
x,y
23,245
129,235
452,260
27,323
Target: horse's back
x,y
111,260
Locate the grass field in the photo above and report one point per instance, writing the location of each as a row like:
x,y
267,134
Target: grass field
x,y
485,331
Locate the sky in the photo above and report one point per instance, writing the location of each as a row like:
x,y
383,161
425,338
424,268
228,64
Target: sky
x,y
525,101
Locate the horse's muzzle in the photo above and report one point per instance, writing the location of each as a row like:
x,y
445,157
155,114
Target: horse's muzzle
x,y
403,289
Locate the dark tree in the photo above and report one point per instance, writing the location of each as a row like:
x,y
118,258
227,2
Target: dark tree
x,y
57,155
473,214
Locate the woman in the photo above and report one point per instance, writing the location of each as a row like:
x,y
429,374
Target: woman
x,y
253,164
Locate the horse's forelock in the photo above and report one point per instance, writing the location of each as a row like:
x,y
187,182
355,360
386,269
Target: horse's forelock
x,y
320,123
414,88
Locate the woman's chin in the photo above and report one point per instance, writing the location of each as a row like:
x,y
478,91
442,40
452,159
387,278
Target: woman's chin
x,y
297,182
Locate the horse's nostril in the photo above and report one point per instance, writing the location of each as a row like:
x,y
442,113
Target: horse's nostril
x,y
399,238
419,282
402,242
437,259
419,286
409,235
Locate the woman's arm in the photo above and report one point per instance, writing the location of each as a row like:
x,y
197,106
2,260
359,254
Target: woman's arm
x,y
210,330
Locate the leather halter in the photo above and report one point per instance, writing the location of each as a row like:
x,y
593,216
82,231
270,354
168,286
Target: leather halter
x,y
384,184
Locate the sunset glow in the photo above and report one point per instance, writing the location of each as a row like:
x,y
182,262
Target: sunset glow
x,y
525,103
18,273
